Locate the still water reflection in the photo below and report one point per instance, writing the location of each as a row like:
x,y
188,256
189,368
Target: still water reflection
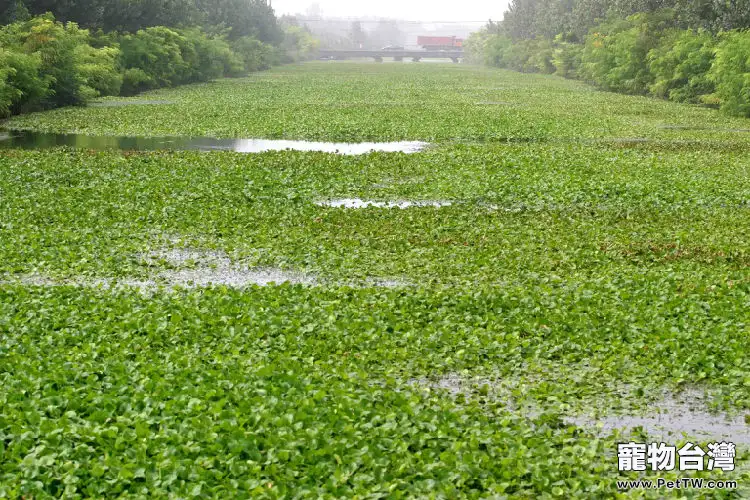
x,y
38,140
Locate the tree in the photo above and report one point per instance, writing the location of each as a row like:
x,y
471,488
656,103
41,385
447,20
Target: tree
x,y
14,12
253,18
244,17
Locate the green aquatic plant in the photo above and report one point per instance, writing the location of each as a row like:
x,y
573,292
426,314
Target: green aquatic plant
x,y
446,349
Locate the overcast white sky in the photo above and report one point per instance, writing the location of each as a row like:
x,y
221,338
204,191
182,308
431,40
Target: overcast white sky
x,y
412,10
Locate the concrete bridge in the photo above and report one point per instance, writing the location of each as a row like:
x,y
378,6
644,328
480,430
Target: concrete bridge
x,y
397,55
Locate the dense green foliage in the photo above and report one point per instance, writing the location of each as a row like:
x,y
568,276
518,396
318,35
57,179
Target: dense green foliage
x,y
616,55
243,17
255,55
731,72
577,18
569,276
162,57
645,53
46,64
680,66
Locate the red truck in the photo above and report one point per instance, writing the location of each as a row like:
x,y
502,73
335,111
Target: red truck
x,y
440,42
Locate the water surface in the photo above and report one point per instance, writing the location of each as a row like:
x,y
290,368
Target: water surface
x,y
23,139
358,203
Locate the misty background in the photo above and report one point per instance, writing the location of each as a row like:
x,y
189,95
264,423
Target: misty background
x,y
343,24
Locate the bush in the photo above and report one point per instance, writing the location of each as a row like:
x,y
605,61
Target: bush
x,y
615,56
164,57
495,48
541,56
135,80
299,44
528,56
730,73
680,66
8,93
642,54
22,87
157,53
45,64
98,69
57,44
567,59
214,59
476,46
254,54
48,64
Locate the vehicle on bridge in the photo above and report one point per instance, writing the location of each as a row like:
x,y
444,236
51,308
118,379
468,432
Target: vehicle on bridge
x,y
440,42
393,47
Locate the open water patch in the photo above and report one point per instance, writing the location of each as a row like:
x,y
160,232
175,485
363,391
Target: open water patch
x,y
40,280
356,203
178,268
193,268
200,277
25,139
675,415
668,417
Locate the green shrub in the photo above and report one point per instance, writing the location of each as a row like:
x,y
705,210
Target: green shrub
x,y
254,54
22,87
8,93
135,80
566,58
99,70
214,57
57,50
48,64
495,49
299,43
680,66
615,56
730,73
476,46
159,54
642,54
164,57
541,57
45,64
517,56
528,56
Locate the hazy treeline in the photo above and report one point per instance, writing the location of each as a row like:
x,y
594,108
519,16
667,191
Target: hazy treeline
x,y
90,50
367,34
694,51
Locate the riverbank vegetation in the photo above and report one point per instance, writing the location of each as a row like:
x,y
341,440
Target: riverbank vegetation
x,y
45,63
666,49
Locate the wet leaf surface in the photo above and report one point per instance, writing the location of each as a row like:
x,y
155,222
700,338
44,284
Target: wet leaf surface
x,y
461,350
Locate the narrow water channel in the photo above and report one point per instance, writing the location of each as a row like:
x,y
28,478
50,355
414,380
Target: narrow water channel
x,y
23,139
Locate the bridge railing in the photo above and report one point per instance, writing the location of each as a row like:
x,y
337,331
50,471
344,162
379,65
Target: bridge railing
x,y
379,55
